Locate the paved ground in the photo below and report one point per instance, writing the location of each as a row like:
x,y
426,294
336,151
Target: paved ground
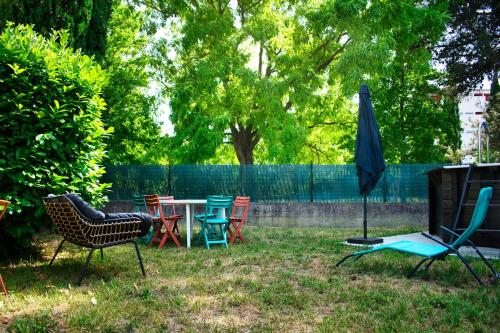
x,y
488,252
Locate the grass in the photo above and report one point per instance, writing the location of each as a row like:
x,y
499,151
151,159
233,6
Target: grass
x,y
282,279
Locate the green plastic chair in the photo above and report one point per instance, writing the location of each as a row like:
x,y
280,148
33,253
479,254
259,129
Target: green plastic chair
x,y
139,204
441,250
140,207
213,224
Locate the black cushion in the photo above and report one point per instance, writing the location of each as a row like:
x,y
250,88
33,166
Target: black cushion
x,y
146,220
85,208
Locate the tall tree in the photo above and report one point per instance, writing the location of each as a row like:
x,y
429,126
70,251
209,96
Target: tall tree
x,y
471,48
419,121
258,72
131,110
493,118
85,20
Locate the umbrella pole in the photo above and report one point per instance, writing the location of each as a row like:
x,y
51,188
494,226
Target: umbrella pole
x,y
365,224
365,240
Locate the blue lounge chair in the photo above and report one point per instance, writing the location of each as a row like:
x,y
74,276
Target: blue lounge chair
x,y
440,250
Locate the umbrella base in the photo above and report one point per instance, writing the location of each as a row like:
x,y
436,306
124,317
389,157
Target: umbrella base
x,y
365,241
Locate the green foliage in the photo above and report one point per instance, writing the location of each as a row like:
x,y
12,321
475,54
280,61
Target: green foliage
x,y
472,50
274,78
493,119
85,20
51,134
136,136
419,122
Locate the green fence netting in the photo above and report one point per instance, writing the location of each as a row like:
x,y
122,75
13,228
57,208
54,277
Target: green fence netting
x,y
268,183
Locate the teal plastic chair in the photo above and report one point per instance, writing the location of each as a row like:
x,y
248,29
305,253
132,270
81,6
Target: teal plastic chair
x,y
441,250
213,224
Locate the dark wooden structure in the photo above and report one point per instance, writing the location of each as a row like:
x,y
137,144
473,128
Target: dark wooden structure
x,y
445,191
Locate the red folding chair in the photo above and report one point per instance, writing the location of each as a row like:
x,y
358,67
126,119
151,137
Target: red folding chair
x,y
238,218
3,207
162,219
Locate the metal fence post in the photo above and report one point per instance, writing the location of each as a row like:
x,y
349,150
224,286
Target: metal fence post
x,y
384,186
242,175
169,180
311,183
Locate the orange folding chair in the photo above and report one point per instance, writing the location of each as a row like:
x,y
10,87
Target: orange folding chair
x,y
238,218
3,207
162,219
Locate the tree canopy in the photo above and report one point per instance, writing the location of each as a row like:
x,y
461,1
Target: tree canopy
x,y
471,48
274,78
86,20
131,109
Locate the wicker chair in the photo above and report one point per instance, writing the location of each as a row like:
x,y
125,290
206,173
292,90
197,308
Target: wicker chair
x,y
77,229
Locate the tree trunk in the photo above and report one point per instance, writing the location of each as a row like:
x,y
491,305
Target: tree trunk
x,y
244,141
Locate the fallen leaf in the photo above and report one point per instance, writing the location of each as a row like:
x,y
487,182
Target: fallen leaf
x,y
6,320
42,277
90,292
1,304
93,301
136,287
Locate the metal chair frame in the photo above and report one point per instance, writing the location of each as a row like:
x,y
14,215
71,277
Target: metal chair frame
x,y
79,230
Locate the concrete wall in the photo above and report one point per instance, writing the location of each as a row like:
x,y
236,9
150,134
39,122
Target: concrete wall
x,y
342,215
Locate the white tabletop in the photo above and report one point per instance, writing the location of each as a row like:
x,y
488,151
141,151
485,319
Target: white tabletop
x,y
184,201
189,218
190,201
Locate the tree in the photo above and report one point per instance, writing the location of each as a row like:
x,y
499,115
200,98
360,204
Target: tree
x,y
493,118
471,49
136,135
52,133
419,121
259,72
86,20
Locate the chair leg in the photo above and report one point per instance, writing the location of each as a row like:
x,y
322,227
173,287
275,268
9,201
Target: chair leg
x,y
156,234
84,270
57,251
172,234
2,284
414,271
207,242
140,259
469,268
237,234
496,276
347,257
200,235
163,241
426,267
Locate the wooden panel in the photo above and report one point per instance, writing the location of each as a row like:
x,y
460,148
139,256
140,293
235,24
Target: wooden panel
x,y
445,204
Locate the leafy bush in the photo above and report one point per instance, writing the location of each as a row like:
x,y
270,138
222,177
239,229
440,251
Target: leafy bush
x,y
51,132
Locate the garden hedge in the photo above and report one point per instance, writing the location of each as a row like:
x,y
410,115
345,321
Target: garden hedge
x,y
51,133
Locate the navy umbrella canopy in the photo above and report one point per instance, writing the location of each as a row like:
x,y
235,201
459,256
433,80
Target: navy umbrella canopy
x,y
368,156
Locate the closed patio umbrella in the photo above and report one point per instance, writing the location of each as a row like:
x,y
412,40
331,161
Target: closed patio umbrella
x,y
368,157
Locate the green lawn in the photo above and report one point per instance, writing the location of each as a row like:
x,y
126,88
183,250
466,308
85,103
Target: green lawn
x,y
280,280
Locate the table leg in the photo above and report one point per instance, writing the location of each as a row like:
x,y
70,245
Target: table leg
x,y
189,225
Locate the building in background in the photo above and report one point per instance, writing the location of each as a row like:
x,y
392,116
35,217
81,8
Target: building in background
x,y
471,110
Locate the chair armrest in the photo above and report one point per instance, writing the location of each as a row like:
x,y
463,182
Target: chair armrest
x,y
438,241
457,235
120,219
